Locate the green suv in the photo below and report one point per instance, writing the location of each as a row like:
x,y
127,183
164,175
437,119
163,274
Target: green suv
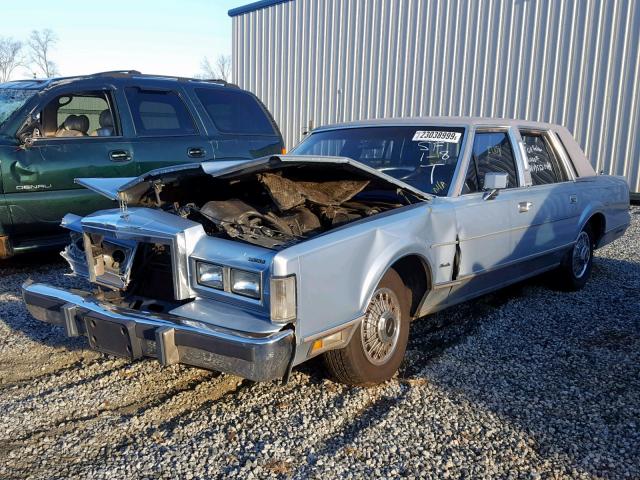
x,y
112,124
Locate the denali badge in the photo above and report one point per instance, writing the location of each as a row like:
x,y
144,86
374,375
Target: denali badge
x,y
33,187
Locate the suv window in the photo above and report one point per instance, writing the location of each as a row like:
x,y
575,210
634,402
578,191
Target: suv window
x,y
492,152
235,111
82,114
159,113
544,165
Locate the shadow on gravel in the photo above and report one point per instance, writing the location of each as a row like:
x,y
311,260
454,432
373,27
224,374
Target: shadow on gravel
x,y
563,367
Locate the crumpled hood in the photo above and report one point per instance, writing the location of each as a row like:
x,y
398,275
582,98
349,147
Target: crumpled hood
x,y
131,190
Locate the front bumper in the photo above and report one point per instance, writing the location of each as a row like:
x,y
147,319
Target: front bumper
x,y
170,339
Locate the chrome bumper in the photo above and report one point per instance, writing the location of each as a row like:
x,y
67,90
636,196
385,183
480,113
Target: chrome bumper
x,y
170,339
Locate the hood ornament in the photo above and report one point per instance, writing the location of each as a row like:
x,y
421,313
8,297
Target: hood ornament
x,y
124,212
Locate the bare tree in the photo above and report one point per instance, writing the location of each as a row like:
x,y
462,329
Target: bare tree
x,y
223,66
10,57
40,46
221,70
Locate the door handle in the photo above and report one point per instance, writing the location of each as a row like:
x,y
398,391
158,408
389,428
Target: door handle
x,y
524,206
119,156
195,152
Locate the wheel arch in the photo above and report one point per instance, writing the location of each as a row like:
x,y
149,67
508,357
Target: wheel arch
x,y
598,222
416,274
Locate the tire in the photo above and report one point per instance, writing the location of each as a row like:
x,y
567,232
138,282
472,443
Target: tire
x,y
385,328
576,266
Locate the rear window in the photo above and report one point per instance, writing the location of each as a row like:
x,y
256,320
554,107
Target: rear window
x,y
159,113
235,111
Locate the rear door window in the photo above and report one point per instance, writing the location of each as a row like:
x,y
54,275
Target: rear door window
x,y
159,113
235,111
492,152
544,164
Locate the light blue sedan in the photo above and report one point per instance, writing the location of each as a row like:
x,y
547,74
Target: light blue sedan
x,y
253,267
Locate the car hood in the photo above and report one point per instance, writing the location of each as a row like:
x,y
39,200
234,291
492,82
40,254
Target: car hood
x,y
131,190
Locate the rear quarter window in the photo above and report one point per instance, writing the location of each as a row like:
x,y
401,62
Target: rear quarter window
x,y
235,111
545,166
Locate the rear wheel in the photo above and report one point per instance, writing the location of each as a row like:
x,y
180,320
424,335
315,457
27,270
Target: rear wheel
x,y
577,264
377,347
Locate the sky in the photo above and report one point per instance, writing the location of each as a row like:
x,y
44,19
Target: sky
x,y
152,36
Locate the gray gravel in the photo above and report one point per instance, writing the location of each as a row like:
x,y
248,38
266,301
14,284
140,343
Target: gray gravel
x,y
527,382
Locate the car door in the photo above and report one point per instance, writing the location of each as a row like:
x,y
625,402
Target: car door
x,y
544,224
70,142
484,223
166,131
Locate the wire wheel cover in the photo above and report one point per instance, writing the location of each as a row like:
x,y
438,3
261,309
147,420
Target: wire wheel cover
x,y
380,328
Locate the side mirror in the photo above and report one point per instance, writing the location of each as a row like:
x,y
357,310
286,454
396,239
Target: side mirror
x,y
493,183
30,129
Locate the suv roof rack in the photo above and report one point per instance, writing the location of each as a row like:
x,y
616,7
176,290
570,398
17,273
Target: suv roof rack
x,y
115,73
219,81
127,74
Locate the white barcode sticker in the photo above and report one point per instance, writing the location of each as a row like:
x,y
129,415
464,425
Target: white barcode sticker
x,y
436,136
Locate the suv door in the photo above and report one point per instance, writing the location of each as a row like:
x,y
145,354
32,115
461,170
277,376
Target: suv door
x,y
484,225
242,126
166,132
70,142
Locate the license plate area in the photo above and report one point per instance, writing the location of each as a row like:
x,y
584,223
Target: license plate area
x,y
114,337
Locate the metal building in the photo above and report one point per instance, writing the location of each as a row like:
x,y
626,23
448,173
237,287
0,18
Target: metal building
x,y
572,62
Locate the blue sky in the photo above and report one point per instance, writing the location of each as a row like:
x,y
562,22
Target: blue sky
x,y
153,36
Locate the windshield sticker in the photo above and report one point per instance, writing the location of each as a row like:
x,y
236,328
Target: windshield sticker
x,y
436,135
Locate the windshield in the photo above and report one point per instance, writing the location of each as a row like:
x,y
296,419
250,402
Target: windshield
x,y
425,157
12,99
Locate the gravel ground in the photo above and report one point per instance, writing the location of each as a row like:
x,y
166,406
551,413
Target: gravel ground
x,y
527,382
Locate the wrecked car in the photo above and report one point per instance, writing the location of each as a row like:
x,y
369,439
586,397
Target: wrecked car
x,y
253,267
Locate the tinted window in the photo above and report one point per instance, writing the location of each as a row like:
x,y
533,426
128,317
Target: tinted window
x,y
492,152
235,112
424,157
159,113
544,165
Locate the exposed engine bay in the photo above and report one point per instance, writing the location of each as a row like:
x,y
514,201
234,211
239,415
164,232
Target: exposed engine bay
x,y
274,208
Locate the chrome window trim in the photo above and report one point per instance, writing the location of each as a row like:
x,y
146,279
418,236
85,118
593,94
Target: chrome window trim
x,y
552,142
517,159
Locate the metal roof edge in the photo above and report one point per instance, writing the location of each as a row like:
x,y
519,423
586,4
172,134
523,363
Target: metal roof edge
x,y
252,7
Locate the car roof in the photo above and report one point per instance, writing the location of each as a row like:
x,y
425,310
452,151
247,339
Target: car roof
x,y
42,84
444,121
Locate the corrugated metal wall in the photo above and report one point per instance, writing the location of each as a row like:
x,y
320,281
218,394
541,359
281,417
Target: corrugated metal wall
x,y
575,63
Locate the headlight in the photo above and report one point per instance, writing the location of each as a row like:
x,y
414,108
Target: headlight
x,y
283,299
210,275
245,283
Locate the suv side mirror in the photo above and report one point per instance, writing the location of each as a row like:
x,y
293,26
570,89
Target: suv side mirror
x,y
493,183
30,129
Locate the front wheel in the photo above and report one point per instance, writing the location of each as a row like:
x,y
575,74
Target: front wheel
x,y
576,267
377,347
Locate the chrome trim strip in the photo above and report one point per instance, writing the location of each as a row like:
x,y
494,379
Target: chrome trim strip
x,y
466,278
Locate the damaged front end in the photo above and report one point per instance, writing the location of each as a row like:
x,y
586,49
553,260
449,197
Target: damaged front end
x,y
187,269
